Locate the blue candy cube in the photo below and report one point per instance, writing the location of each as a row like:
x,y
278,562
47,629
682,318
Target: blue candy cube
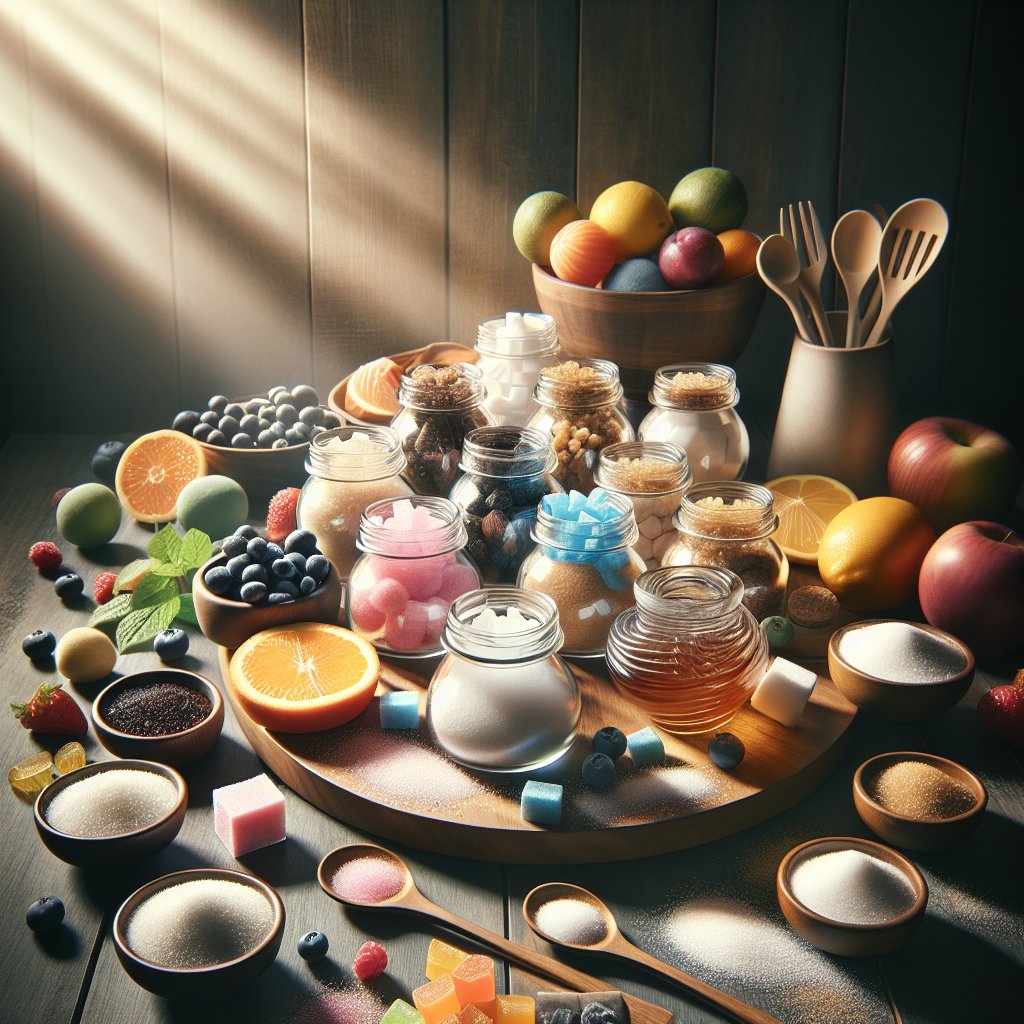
x,y
577,502
541,803
555,505
400,710
645,747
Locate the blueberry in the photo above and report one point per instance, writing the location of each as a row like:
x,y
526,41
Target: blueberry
x,y
294,436
726,751
596,1013
104,462
318,567
254,592
217,437
287,414
229,426
254,405
210,417
276,598
280,443
250,423
313,946
45,914
274,552
283,397
68,585
246,531
779,631
237,566
610,741
300,428
302,541
185,421
332,420
263,422
218,580
39,645
307,585
171,644
257,549
284,569
316,432
298,560
254,573
276,390
305,396
312,417
287,587
234,545
218,404
278,430
242,440
201,431
265,438
234,409
599,772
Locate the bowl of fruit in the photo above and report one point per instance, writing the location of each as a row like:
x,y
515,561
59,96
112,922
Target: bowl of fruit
x,y
644,282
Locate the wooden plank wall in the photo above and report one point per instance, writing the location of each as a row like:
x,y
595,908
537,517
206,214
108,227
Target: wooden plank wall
x,y
220,195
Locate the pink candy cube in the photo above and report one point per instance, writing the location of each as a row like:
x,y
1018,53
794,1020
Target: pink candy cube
x,y
248,815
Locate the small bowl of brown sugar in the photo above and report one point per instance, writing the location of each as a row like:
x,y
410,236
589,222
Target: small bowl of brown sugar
x,y
918,801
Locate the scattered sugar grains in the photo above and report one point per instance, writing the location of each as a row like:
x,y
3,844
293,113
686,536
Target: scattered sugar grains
x,y
339,1006
918,790
852,887
368,879
111,803
670,790
902,652
201,923
572,921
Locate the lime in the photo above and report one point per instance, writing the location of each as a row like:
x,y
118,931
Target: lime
x,y
539,218
711,198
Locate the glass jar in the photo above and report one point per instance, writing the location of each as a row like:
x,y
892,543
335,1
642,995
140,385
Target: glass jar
x,y
579,412
412,567
439,406
349,468
653,475
502,700
512,350
505,472
587,565
689,654
695,408
730,524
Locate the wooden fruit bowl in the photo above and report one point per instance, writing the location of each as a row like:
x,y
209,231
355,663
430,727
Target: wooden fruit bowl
x,y
642,331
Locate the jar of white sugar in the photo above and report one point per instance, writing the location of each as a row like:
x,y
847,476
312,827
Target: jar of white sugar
x,y
512,350
349,468
502,699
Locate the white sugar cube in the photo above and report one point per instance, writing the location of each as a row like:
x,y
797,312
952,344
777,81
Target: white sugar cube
x,y
784,691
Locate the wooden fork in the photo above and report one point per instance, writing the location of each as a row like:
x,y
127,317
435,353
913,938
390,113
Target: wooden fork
x,y
813,257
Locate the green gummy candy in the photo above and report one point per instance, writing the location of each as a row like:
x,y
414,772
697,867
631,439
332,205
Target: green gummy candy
x,y
400,1012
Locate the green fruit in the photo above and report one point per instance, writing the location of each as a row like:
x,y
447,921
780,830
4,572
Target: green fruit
x,y
89,515
85,655
779,631
711,198
217,505
539,218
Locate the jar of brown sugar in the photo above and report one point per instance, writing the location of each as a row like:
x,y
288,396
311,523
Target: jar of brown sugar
x,y
579,410
729,525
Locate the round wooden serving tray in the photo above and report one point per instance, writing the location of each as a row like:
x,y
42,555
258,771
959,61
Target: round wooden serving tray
x,y
395,785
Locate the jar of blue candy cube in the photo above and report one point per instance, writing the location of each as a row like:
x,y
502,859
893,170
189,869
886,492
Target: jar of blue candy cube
x,y
506,471
502,700
585,560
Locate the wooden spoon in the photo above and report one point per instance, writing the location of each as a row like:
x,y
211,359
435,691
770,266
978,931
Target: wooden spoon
x,y
779,267
615,944
410,900
855,241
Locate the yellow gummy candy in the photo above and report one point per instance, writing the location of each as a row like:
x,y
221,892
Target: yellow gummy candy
x,y
514,1010
31,776
442,959
69,757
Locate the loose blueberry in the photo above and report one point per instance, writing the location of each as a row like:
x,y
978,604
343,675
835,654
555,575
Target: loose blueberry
x,y
599,772
253,592
257,549
305,396
281,442
609,741
301,541
287,414
229,426
39,644
237,566
312,417
316,431
283,397
313,946
45,913
201,431
69,585
171,644
318,567
250,423
275,598
726,751
278,430
186,421
210,417
254,573
276,390
265,438
217,437
779,631
234,409
218,580
298,560
283,569
307,585
242,441
332,420
293,436
104,462
234,545
287,587
218,404
254,405
246,531
274,552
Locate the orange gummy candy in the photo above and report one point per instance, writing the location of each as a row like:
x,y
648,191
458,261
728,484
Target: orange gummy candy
x,y
474,980
437,1000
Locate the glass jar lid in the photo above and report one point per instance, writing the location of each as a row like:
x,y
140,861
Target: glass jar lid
x,y
471,629
588,534
578,384
415,527
699,387
516,335
434,387
355,453
507,452
643,467
727,510
694,593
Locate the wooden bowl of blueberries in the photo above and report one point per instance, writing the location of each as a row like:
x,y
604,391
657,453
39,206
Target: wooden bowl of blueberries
x,y
255,584
260,440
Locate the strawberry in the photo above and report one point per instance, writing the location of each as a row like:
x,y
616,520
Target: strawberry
x,y
281,514
52,710
46,557
1002,711
103,587
370,961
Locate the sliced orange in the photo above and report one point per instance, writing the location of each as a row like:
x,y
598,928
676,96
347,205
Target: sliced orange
x,y
805,505
372,392
304,677
153,471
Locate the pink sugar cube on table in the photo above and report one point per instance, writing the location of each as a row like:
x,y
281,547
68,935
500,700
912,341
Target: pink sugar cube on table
x,y
248,815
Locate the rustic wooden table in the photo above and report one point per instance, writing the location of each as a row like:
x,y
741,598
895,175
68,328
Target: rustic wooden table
x,y
965,964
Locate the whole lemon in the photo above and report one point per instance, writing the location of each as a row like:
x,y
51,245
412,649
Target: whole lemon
x,y
634,215
539,218
85,655
871,553
89,515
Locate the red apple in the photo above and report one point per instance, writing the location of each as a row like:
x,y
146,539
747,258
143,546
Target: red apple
x,y
690,258
953,471
972,584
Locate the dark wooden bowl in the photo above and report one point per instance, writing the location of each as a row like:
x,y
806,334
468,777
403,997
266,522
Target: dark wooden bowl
x,y
642,331
175,749
203,982
111,851
850,939
896,701
913,833
231,623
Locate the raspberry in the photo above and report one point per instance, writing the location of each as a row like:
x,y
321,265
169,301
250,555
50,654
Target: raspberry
x,y
46,557
281,514
57,495
103,588
370,961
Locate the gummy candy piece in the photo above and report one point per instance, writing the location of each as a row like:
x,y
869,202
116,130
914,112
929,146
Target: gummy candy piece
x,y
442,958
69,757
406,632
456,580
514,1010
437,1000
400,710
541,803
473,1015
400,1012
362,613
31,776
645,747
474,981
389,596
249,815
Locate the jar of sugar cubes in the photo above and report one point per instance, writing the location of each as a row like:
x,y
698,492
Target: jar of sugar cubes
x,y
689,654
585,560
579,411
653,475
411,568
695,408
729,524
512,350
439,406
506,471
349,468
502,700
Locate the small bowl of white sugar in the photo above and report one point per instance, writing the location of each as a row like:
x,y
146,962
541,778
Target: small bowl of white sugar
x,y
851,896
901,671
112,812
199,934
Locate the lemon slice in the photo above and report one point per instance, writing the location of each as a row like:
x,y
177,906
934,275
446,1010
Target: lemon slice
x,y
805,505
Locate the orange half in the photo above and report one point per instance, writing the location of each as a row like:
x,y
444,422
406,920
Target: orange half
x,y
805,505
372,392
153,471
304,677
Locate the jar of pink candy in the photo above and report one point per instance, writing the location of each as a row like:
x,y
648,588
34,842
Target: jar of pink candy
x,y
412,567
